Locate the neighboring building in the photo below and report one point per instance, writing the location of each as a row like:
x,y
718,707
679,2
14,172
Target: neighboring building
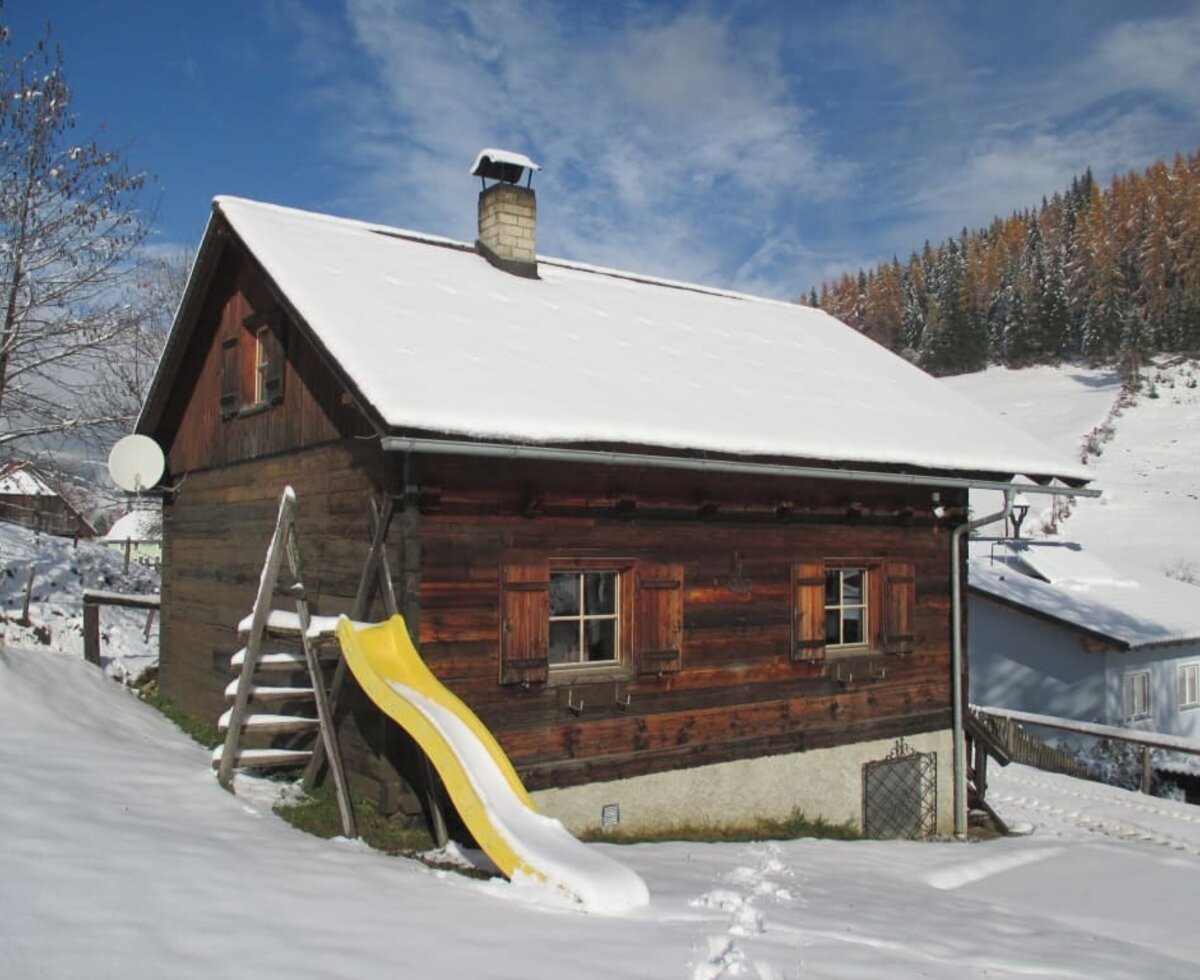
x,y
1056,631
681,549
29,498
138,533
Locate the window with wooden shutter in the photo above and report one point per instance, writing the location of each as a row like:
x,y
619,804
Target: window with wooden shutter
x,y
270,360
231,382
808,610
659,623
525,623
899,598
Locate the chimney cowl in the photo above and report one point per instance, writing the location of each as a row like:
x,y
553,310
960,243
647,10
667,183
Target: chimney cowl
x,y
503,165
507,212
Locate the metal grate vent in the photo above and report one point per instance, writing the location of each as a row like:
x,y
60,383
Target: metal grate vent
x,y
900,795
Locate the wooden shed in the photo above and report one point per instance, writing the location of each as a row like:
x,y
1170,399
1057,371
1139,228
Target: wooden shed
x,y
686,552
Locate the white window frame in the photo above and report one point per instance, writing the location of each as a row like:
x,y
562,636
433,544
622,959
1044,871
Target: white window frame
x,y
864,604
1188,679
1135,695
585,617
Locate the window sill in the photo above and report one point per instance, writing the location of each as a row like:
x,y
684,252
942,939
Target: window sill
x,y
586,674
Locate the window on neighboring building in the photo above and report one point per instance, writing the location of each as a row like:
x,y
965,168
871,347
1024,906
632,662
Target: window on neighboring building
x,y
584,620
845,607
1189,685
1137,695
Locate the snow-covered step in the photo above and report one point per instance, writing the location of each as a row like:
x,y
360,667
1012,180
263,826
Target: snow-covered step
x,y
271,724
264,758
283,623
280,660
266,692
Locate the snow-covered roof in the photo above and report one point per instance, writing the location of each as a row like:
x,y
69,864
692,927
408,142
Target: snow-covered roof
x,y
437,340
22,480
1063,582
137,525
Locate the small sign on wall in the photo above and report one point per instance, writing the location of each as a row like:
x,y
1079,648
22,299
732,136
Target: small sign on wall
x,y
610,815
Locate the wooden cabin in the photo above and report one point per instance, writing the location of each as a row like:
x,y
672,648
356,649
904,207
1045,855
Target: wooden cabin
x,y
686,552
30,498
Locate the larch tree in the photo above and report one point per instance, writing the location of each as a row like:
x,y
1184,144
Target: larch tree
x,y
71,236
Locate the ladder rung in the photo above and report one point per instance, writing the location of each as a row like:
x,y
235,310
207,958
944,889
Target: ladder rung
x,y
266,692
264,758
270,724
282,659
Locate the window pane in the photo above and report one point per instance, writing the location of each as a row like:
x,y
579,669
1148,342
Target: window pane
x,y
833,588
833,620
852,631
600,636
852,586
564,642
599,593
564,593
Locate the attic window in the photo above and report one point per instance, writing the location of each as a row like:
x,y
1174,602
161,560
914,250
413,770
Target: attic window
x,y
252,364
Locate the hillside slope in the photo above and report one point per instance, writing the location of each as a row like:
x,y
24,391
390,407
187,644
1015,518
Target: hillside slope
x,y
62,570
1144,450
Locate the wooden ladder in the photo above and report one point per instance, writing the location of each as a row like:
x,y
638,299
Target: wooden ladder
x,y
253,698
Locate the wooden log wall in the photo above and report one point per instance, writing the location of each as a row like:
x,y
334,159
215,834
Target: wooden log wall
x,y
739,693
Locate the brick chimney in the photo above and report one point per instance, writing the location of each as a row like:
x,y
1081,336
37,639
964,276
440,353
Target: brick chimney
x,y
507,212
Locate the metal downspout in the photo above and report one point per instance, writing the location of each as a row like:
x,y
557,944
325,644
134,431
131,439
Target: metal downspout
x,y
956,657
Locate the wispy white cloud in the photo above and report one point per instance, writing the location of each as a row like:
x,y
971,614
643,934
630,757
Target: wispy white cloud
x,y
729,143
664,136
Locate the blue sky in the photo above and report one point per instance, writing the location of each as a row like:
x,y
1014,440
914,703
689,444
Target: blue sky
x,y
750,144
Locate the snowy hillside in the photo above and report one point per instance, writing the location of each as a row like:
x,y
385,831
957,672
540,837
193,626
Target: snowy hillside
x,y
62,570
1144,451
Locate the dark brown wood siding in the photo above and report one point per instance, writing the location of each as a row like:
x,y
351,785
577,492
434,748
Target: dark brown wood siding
x,y
737,692
211,419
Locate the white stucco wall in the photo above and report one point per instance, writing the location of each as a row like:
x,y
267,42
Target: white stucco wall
x,y
821,783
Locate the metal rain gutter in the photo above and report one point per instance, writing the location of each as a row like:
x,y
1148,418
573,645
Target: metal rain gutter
x,y
499,450
956,655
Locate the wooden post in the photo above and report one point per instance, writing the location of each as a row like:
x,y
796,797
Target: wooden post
x,y
91,632
128,549
1147,772
24,620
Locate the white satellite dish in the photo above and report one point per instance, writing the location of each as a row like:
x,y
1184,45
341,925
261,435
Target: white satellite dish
x,y
136,463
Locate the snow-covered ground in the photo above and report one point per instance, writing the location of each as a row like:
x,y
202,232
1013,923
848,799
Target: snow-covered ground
x,y
62,570
123,858
1148,468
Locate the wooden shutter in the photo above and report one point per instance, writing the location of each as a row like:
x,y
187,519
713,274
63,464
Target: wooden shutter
x,y
659,618
525,623
899,597
231,382
808,610
273,358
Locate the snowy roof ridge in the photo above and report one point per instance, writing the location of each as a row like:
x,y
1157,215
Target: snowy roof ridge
x,y
437,340
1135,611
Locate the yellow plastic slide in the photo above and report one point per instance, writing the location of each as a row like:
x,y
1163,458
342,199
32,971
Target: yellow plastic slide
x,y
478,776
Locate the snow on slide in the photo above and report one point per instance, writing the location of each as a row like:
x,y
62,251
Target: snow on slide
x,y
477,774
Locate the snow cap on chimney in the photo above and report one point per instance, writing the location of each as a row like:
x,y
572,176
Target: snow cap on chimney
x,y
507,211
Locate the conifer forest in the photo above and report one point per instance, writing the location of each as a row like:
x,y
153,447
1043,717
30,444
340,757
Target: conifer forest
x,y
1107,275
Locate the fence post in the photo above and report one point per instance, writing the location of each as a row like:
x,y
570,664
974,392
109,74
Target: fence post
x,y
91,632
1147,772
